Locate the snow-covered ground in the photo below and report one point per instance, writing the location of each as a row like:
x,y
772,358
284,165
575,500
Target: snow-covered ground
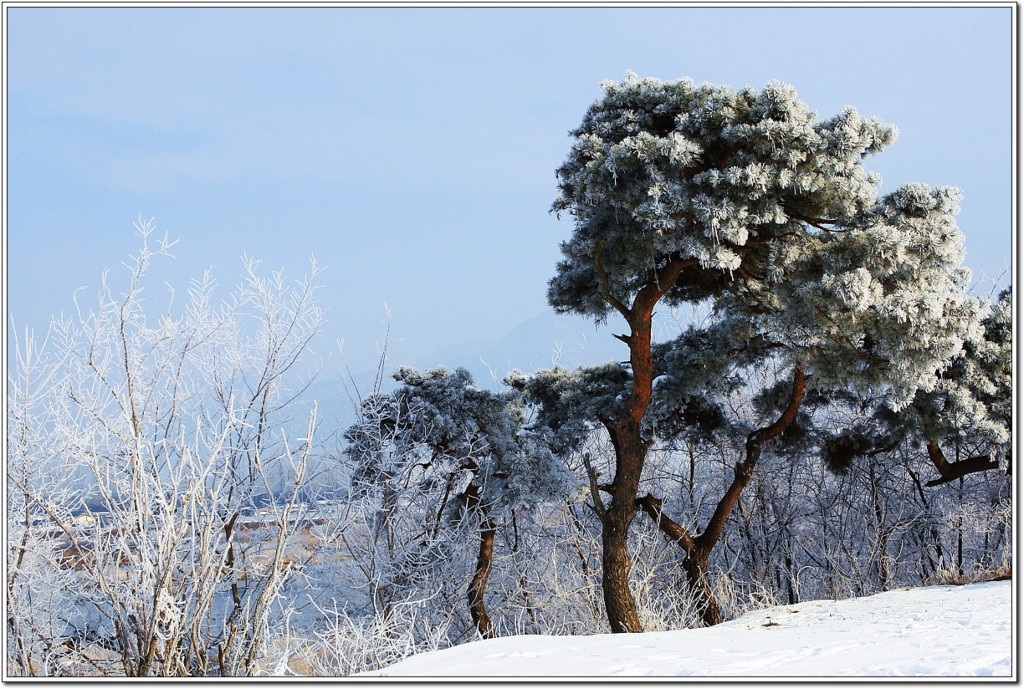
x,y
935,630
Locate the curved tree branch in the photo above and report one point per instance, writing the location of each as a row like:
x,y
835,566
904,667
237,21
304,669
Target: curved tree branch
x,y
745,469
652,506
952,471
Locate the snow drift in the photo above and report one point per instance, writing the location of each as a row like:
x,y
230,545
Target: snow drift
x,y
929,631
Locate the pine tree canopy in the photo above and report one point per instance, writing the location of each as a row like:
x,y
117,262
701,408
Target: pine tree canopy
x,y
442,420
770,214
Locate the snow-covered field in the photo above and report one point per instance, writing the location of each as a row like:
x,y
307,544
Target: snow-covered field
x,y
935,630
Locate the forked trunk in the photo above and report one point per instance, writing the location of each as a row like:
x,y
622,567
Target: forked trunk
x,y
630,447
699,549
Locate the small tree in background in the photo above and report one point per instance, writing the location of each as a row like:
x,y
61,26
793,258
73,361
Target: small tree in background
x,y
685,193
441,433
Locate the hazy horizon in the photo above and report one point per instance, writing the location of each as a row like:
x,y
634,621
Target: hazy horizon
x,y
413,150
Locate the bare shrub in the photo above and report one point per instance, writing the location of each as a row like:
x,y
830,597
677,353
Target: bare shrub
x,y
142,444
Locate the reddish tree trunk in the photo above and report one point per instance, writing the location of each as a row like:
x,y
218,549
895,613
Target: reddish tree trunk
x,y
630,447
630,453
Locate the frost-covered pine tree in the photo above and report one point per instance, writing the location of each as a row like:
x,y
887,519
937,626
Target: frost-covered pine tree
x,y
472,446
683,193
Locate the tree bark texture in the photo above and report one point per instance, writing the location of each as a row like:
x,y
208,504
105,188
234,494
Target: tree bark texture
x,y
630,452
484,559
618,600
696,567
478,585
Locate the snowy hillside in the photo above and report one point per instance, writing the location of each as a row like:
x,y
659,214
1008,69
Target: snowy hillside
x,y
935,630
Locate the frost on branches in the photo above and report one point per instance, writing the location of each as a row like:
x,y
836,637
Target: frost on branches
x,y
137,449
966,414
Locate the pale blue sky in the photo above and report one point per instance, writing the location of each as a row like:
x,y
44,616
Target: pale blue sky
x,y
413,150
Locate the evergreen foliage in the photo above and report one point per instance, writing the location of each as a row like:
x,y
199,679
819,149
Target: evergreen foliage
x,y
789,238
440,418
664,169
969,408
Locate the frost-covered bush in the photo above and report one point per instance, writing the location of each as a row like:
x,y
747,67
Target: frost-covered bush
x,y
139,452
